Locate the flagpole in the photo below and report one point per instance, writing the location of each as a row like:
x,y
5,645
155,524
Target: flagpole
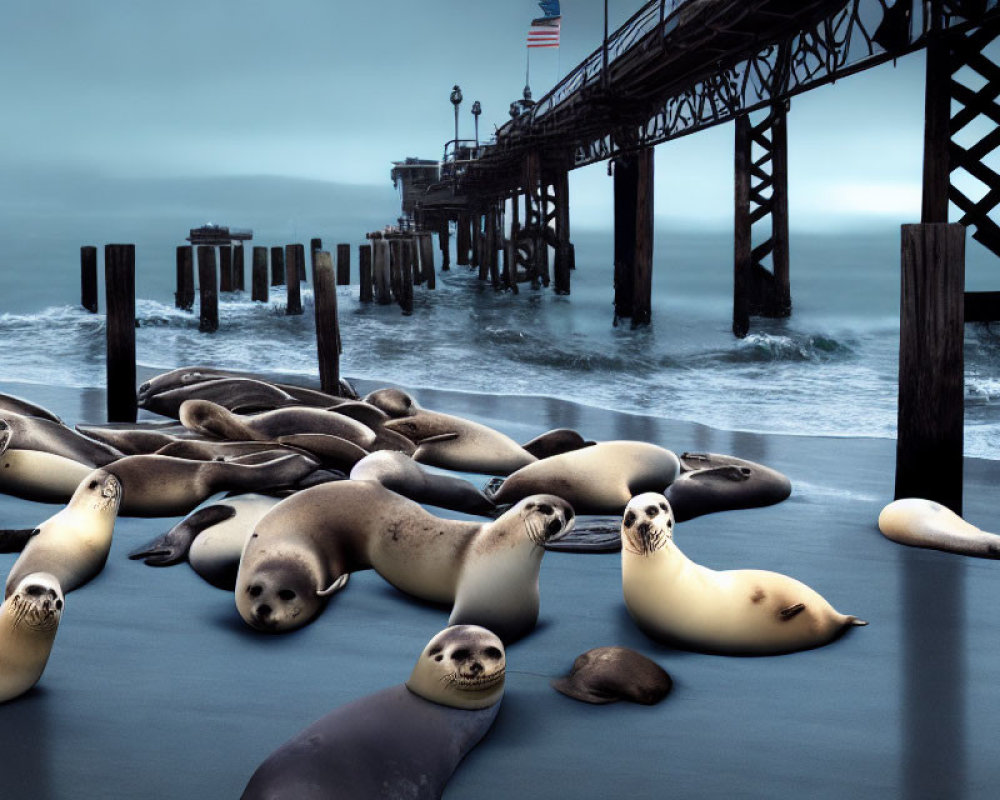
x,y
527,66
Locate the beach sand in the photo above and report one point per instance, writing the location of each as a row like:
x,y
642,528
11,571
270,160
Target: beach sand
x,y
157,689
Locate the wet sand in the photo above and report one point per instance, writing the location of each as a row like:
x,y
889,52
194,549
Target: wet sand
x,y
157,689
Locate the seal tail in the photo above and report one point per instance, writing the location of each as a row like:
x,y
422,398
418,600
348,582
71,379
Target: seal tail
x,y
858,622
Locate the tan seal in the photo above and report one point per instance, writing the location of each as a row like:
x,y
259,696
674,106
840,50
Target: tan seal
x,y
924,523
73,544
736,612
304,549
29,620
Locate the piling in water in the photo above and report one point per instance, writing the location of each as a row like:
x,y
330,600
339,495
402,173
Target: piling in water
x,y
259,277
208,287
294,304
427,259
88,278
365,268
327,324
119,297
239,269
381,268
225,268
277,266
184,298
343,265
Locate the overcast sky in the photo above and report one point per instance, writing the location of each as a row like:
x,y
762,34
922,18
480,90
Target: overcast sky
x,y
337,90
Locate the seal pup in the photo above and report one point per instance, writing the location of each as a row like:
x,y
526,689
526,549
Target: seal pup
x,y
211,538
402,742
405,476
37,475
29,620
451,442
163,486
599,479
609,674
73,545
734,612
211,419
304,549
711,482
924,523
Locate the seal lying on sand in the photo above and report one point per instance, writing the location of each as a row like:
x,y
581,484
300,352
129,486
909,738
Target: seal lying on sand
x,y
609,674
29,620
304,549
924,523
402,742
736,612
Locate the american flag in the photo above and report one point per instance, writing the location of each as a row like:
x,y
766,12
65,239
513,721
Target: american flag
x,y
544,31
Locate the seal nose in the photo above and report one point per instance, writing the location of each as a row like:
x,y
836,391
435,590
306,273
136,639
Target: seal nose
x,y
475,668
263,611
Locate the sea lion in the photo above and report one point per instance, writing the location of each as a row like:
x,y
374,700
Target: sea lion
x,y
211,419
402,742
405,476
239,395
185,376
609,674
19,405
711,482
451,442
29,620
211,538
735,612
35,433
554,442
924,523
73,544
599,479
394,402
162,486
37,475
215,450
303,550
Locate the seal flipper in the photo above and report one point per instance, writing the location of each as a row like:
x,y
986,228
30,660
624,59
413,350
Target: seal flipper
x,y
173,546
590,535
13,541
789,612
439,437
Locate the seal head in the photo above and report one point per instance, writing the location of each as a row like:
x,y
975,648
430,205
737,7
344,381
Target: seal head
x,y
462,667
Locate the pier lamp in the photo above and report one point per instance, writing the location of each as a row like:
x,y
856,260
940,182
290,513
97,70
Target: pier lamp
x,y
476,111
456,100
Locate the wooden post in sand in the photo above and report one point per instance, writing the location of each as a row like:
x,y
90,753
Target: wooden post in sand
x,y
365,269
292,254
225,268
88,278
931,367
343,265
184,298
277,266
119,297
239,269
259,276
327,324
208,287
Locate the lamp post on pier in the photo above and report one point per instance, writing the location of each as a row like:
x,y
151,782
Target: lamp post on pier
x,y
456,101
476,111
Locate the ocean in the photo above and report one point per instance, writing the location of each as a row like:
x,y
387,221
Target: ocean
x,y
829,369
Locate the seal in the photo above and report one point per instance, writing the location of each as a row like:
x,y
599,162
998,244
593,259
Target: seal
x,y
73,545
303,550
163,486
211,538
735,612
37,475
609,674
185,376
211,419
29,620
923,523
405,741
451,442
240,395
19,405
599,479
556,441
711,482
401,474
35,433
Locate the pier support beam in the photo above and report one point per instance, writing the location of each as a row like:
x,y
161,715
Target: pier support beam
x,y
88,278
443,236
184,298
642,284
565,258
634,236
119,297
534,221
761,195
463,241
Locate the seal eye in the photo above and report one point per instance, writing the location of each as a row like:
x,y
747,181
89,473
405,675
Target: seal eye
x,y
545,508
93,485
34,591
254,591
287,595
492,652
663,506
58,605
651,511
629,519
439,657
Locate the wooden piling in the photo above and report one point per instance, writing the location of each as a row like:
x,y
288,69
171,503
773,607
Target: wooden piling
x,y
414,249
463,240
427,260
781,300
88,278
395,267
564,256
381,270
405,276
510,265
119,298
742,247
327,323
225,268
642,299
259,277
626,186
277,266
184,298
208,288
937,125
293,252
365,269
443,246
300,261
315,245
239,269
931,366
343,265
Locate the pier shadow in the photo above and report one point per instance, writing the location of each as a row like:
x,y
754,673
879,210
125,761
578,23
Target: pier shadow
x,y
933,677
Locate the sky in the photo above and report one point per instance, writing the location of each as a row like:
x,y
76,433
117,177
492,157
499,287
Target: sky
x,y
335,91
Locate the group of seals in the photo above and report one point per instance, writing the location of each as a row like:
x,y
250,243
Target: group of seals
x,y
404,741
